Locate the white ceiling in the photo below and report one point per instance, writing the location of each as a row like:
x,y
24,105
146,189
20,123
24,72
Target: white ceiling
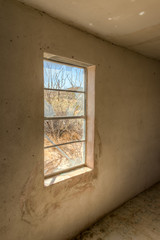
x,y
134,24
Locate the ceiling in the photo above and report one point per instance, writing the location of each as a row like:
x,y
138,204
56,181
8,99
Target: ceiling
x,y
134,24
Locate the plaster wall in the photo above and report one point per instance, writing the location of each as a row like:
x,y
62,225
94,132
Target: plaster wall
x,y
127,133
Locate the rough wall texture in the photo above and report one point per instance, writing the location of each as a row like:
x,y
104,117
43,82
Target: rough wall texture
x,y
127,151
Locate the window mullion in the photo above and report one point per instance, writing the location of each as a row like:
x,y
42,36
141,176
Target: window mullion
x,y
63,90
64,117
61,144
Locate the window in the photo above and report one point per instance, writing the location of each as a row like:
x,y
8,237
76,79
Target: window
x,y
68,118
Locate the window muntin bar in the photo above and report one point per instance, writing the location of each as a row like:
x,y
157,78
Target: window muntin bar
x,y
61,144
70,117
64,90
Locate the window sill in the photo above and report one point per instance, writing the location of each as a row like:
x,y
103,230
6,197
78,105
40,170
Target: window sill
x,y
65,176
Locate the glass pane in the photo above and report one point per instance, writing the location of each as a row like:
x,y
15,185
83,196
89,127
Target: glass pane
x,y
62,131
61,76
63,103
63,157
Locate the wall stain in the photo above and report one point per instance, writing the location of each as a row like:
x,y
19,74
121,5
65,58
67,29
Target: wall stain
x,y
25,198
99,142
38,204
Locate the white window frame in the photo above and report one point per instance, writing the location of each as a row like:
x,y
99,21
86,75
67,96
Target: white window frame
x,y
89,114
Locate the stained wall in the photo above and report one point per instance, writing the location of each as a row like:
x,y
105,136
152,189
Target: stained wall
x,y
127,133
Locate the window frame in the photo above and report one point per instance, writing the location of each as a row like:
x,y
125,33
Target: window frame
x,y
89,111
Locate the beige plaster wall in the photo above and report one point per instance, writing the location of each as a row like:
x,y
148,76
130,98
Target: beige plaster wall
x,y
127,133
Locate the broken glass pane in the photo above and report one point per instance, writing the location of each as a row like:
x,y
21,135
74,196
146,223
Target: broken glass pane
x,y
62,131
63,157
